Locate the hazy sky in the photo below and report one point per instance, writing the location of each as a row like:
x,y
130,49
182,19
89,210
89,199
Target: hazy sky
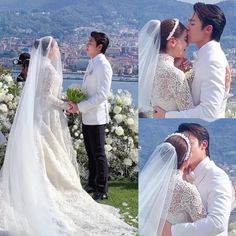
x,y
206,1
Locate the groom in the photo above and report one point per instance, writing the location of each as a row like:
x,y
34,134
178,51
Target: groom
x,y
208,88
97,84
213,185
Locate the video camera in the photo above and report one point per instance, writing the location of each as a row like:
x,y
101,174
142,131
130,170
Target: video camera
x,y
24,60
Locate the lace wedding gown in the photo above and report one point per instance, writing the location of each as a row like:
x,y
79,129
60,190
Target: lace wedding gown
x,y
74,212
170,87
164,195
186,205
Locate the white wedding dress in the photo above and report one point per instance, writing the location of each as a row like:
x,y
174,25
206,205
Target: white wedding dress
x,y
186,204
40,189
171,90
160,82
164,195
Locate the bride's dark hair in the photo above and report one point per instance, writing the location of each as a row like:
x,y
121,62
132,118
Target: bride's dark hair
x,y
44,44
166,27
181,148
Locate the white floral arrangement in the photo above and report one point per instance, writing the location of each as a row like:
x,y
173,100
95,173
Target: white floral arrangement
x,y
9,98
121,133
121,138
232,229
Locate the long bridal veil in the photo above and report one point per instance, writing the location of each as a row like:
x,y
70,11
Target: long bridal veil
x,y
148,46
20,174
21,186
40,189
156,185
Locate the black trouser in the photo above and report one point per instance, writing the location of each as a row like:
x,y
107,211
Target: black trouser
x,y
94,140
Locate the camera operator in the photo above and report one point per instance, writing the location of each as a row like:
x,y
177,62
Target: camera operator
x,y
23,60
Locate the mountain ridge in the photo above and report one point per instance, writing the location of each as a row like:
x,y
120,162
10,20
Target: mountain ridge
x,y
64,17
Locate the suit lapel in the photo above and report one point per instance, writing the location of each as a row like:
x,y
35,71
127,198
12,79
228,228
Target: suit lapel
x,y
87,73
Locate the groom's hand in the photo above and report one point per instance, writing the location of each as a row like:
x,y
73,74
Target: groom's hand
x,y
159,112
228,79
166,229
183,64
73,108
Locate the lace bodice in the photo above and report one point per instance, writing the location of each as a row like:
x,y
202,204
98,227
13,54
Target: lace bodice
x,y
52,86
186,205
170,87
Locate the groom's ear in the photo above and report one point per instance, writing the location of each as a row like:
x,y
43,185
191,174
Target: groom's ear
x,y
204,144
208,29
100,47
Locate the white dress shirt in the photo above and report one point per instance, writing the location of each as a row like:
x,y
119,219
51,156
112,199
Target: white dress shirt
x,y
97,84
215,189
208,87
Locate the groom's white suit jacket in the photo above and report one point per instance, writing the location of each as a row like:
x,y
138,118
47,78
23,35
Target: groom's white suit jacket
x,y
208,87
97,84
215,189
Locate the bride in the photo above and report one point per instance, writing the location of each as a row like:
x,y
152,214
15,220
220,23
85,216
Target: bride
x,y
163,194
160,82
40,189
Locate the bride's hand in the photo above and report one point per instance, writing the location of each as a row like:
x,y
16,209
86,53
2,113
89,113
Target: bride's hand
x,y
72,107
167,229
69,106
183,64
159,112
228,79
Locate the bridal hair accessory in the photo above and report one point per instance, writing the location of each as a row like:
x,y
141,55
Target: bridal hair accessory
x,y
186,140
174,29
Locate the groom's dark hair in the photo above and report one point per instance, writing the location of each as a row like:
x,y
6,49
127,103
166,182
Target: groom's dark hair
x,y
197,131
101,38
210,14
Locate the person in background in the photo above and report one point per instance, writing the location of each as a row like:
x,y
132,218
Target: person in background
x,y
23,61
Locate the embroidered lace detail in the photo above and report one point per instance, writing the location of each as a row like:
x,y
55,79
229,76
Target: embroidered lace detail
x,y
186,205
52,87
170,88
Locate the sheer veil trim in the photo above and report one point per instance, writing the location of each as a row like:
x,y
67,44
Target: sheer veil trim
x,y
148,46
21,173
156,186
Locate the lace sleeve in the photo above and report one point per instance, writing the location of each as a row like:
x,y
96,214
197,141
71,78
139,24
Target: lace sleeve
x,y
193,204
179,87
50,86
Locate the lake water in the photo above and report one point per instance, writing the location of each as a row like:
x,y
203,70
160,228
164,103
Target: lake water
x,y
132,87
76,79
